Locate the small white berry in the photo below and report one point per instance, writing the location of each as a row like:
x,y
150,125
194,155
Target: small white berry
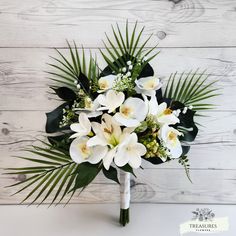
x,y
78,86
185,110
130,67
75,82
129,63
124,69
128,74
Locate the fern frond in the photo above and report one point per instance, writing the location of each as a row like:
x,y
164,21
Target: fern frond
x,y
183,160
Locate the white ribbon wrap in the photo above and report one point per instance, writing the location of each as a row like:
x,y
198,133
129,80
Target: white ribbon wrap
x,y
124,190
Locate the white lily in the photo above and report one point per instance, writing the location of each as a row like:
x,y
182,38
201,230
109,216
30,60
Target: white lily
x,y
130,152
108,134
91,108
148,85
169,136
132,112
111,100
161,112
106,82
81,152
82,128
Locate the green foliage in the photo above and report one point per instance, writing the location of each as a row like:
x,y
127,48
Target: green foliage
x,y
191,89
68,70
53,172
85,174
111,174
183,160
127,47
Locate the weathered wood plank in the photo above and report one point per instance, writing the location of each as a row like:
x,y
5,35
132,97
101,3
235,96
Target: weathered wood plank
x,y
151,186
214,148
24,86
188,23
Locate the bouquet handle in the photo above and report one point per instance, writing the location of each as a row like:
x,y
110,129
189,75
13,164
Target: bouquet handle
x,y
124,197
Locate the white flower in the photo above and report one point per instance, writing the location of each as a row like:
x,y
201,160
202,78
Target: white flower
x,y
161,112
169,136
132,112
82,128
81,152
147,85
130,152
108,134
91,108
111,100
106,83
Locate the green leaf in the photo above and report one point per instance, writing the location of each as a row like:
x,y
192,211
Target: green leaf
x,y
85,174
65,93
128,168
54,118
191,89
111,174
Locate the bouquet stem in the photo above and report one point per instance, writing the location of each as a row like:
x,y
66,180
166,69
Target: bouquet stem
x,y
124,197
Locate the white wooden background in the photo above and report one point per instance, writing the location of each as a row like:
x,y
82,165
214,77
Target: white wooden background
x,y
191,34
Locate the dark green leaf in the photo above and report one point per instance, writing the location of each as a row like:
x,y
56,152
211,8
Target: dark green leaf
x,y
128,168
54,118
111,174
86,173
65,93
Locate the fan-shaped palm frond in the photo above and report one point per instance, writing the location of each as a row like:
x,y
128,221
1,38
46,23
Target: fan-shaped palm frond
x,y
67,70
127,47
53,171
191,89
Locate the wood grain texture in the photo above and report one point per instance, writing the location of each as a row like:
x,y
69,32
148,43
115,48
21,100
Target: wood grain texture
x,y
154,185
188,23
191,34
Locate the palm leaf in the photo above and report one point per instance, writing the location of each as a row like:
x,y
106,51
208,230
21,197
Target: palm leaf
x,y
191,88
54,171
67,70
125,47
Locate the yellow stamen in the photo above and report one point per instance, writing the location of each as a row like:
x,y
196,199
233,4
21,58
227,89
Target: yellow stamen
x,y
126,111
84,150
103,84
172,136
167,111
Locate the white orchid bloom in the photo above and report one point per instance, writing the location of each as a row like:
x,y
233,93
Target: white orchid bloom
x,y
130,152
81,152
111,100
83,128
161,112
91,108
108,134
132,112
147,85
106,83
169,136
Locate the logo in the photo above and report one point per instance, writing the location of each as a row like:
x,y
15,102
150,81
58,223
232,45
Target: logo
x,y
204,214
204,221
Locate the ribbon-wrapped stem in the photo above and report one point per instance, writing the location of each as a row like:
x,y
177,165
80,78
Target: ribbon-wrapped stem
x,y
124,197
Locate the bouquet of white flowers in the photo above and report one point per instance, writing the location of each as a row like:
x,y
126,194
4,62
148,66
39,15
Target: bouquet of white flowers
x,y
114,118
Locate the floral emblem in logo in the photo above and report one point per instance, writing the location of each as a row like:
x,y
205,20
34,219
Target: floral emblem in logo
x,y
204,214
